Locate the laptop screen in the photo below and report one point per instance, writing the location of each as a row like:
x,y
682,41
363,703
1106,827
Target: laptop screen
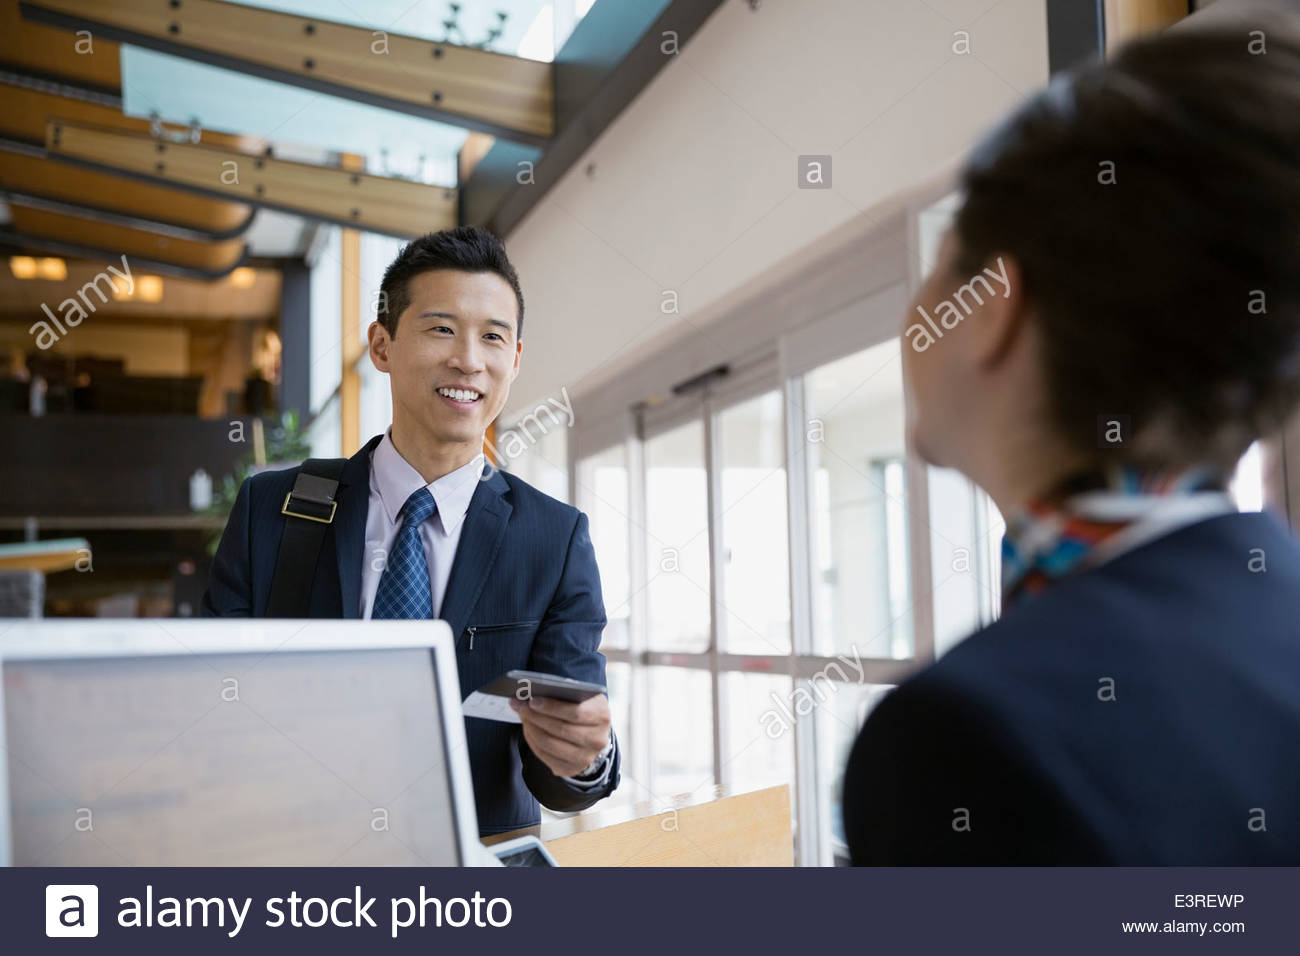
x,y
310,758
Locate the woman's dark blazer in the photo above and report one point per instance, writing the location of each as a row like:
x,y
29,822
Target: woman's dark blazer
x,y
1146,711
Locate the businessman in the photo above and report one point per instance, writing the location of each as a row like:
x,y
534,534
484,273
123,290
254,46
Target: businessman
x,y
419,526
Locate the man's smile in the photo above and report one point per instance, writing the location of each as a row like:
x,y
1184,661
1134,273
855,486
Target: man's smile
x,y
461,397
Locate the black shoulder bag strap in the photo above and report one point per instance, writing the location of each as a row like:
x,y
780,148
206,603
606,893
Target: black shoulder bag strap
x,y
309,510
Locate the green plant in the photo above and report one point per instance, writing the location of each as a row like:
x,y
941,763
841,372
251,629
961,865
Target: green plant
x,y
283,442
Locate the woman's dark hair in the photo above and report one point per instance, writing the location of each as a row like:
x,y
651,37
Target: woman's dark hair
x,y
465,249
1153,204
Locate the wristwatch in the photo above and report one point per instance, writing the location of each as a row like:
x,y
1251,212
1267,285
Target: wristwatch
x,y
593,767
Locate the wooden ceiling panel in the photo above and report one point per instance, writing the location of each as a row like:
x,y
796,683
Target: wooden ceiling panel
x,y
32,176
206,258
505,95
23,120
33,48
26,112
381,204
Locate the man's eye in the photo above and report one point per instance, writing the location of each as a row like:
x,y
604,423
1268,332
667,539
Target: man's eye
x,y
440,328
495,335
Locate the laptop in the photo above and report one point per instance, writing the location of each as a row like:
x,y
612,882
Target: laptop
x,y
233,743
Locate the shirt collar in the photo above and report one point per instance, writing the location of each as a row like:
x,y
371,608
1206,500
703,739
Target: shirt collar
x,y
396,480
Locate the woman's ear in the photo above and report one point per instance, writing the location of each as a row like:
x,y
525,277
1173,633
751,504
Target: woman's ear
x,y
1003,317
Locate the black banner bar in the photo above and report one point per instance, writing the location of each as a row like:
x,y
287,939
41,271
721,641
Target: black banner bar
x,y
1004,910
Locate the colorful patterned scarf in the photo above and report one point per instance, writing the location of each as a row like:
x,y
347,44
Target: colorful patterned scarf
x,y
1092,517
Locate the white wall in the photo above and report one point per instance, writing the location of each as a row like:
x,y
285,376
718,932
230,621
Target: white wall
x,y
694,187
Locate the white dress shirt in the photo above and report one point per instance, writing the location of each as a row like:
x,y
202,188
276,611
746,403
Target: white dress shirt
x,y
392,480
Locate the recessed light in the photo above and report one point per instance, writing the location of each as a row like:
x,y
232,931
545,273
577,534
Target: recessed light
x,y
55,269
149,288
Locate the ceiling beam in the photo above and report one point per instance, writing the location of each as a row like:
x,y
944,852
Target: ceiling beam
x,y
30,102
613,54
115,217
28,173
39,50
15,242
507,96
396,207
77,236
41,182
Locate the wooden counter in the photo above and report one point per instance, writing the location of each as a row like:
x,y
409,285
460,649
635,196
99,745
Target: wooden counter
x,y
44,556
710,828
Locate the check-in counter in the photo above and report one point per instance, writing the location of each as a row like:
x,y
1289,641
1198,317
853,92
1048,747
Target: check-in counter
x,y
709,828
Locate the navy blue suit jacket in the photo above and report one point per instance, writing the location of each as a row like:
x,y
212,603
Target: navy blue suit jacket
x,y
524,578
1010,750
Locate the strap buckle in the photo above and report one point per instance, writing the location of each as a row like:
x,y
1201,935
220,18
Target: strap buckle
x,y
334,505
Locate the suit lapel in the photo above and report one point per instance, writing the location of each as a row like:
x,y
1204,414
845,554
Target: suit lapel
x,y
480,540
350,526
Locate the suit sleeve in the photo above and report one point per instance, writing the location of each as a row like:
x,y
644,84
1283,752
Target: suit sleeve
x,y
230,592
566,643
932,781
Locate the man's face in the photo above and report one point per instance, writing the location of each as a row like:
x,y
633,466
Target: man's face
x,y
454,355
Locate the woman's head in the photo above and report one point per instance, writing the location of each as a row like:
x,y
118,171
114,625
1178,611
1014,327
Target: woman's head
x,y
1146,214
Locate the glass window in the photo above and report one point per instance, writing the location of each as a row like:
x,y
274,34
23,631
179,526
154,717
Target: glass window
x,y
376,254
755,574
932,224
677,534
603,494
757,737
1247,485
681,731
538,455
965,547
964,526
839,718
854,434
618,679
376,404
326,431
326,368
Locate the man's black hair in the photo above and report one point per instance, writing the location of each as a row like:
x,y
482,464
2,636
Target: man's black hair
x,y
465,249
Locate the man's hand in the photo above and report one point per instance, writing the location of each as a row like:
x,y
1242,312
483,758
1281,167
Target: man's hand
x,y
566,736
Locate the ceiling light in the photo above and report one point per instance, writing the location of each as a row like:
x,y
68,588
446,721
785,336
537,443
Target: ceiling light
x,y
149,288
23,267
243,278
55,269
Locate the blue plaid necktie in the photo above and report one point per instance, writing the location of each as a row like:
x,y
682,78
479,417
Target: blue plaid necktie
x,y
404,586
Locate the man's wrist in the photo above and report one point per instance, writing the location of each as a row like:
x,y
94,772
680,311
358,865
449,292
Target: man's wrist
x,y
595,767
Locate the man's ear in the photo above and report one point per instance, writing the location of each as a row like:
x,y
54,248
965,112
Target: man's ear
x,y
1002,320
380,343
519,350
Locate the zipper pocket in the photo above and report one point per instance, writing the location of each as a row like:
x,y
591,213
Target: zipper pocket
x,y
489,628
